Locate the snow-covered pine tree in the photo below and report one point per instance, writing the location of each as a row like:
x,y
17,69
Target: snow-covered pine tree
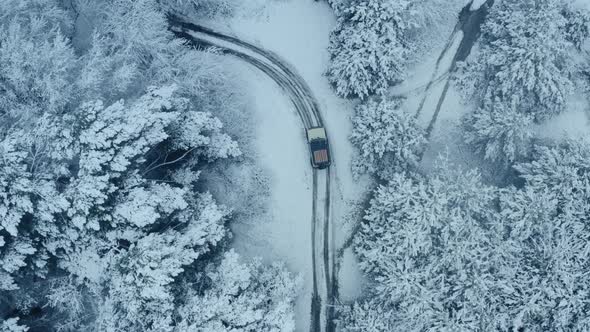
x,y
448,253
368,47
525,58
498,133
36,64
427,244
243,297
374,41
367,316
388,138
547,234
523,72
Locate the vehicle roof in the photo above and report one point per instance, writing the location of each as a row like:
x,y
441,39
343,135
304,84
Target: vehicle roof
x,y
316,133
318,144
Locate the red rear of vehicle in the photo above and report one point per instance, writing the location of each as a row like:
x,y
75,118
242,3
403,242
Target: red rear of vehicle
x,y
318,144
320,156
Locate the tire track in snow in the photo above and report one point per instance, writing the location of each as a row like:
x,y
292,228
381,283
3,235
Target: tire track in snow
x,y
329,260
302,86
470,24
469,21
316,301
323,293
433,79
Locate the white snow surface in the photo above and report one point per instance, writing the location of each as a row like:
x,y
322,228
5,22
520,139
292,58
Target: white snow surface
x,y
573,123
286,234
436,89
582,3
298,31
476,4
444,135
351,277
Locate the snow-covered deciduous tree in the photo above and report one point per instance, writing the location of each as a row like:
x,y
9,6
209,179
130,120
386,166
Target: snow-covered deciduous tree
x,y
68,298
34,12
124,55
11,325
128,35
106,126
243,297
205,131
563,168
102,74
577,27
388,138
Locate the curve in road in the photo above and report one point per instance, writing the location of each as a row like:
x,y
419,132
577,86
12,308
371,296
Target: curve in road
x,y
323,292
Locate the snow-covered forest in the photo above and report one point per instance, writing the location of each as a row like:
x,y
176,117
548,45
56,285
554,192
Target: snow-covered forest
x,y
151,182
446,246
107,123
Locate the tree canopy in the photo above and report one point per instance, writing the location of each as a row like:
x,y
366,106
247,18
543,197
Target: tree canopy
x,y
103,224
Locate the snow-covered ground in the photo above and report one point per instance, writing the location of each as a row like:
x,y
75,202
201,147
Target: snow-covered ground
x,y
573,123
476,4
298,31
423,99
446,137
284,233
429,69
350,277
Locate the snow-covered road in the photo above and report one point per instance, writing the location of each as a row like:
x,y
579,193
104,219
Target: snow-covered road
x,y
304,102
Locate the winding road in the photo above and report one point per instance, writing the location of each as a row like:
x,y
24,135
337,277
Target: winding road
x,y
324,289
